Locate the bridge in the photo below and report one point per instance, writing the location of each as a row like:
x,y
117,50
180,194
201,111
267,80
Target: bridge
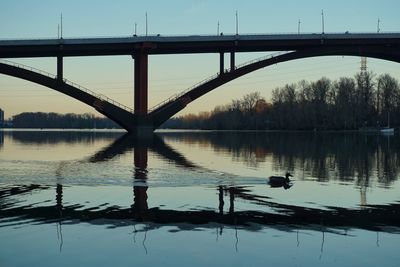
x,y
142,120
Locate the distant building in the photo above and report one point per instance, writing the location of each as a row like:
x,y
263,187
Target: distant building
x,y
1,118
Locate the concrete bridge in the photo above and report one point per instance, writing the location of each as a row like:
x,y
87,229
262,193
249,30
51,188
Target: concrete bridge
x,y
142,120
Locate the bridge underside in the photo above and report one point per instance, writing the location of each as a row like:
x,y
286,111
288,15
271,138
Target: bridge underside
x,y
143,123
169,109
116,113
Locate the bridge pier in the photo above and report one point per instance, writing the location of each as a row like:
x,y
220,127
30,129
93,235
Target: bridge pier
x,y
141,83
60,68
232,61
144,125
221,63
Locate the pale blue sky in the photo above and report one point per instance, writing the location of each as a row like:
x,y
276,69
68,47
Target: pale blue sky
x,y
171,74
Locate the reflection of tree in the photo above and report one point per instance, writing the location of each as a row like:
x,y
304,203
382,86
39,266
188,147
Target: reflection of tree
x,y
1,139
347,157
54,137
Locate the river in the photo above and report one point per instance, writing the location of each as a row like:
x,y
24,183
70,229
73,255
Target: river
x,y
198,198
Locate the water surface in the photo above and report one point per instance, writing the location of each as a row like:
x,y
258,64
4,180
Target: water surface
x,y
198,198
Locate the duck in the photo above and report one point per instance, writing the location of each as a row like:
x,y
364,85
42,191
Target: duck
x,y
280,181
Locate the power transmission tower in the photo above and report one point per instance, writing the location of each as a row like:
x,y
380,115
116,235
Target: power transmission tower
x,y
363,67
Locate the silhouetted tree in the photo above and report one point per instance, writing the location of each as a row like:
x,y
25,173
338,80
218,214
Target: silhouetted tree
x,y
347,103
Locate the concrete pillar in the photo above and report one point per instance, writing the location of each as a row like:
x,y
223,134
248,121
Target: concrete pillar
x,y
221,63
141,83
232,61
59,68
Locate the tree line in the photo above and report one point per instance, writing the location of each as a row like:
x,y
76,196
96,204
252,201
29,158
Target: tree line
x,y
348,103
64,121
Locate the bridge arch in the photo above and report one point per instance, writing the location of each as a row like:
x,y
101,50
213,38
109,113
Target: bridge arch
x,y
119,113
162,112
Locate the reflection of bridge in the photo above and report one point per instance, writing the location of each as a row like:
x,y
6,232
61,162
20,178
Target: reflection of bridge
x,y
142,120
285,217
271,214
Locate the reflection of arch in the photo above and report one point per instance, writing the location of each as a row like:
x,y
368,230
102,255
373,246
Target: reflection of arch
x,y
156,144
105,106
163,112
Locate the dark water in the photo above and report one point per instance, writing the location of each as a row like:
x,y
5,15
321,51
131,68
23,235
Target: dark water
x,y
199,199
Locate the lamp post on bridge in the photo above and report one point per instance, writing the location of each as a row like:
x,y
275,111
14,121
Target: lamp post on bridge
x,y
146,24
61,27
237,23
298,27
135,29
323,22
379,26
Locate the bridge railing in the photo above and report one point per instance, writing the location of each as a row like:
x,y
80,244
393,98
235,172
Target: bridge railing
x,y
19,65
80,87
99,96
178,95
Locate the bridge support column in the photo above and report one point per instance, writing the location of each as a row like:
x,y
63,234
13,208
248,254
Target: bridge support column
x,y
60,68
144,125
232,61
141,83
221,63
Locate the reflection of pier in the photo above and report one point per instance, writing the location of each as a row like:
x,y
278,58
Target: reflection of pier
x,y
140,206
140,154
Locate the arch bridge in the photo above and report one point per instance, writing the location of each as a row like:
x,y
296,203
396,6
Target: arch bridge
x,y
142,120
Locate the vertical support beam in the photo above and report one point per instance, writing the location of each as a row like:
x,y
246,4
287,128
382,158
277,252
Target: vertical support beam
x,y
221,63
60,68
232,61
141,83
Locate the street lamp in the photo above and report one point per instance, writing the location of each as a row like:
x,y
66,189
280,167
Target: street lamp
x,y
237,23
146,23
298,27
323,26
379,26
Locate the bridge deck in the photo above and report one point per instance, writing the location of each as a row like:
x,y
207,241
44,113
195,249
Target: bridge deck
x,y
186,44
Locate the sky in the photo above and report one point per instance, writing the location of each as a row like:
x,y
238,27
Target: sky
x,y
171,74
